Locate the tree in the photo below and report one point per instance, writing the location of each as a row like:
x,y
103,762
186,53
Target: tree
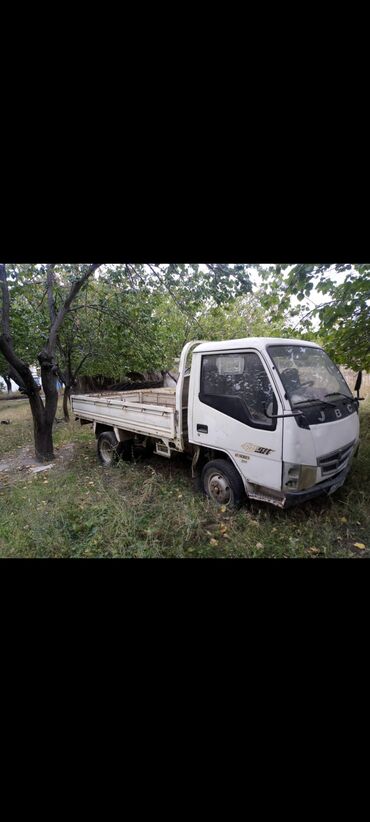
x,y
4,373
43,412
344,315
25,329
138,317
74,347
67,319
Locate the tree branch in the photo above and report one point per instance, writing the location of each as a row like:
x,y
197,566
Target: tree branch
x,y
317,308
5,312
81,364
49,288
64,309
169,289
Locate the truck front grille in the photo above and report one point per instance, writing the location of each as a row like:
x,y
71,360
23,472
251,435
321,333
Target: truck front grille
x,y
334,462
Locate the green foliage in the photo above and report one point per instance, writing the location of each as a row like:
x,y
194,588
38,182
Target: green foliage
x,y
127,317
138,317
29,319
344,315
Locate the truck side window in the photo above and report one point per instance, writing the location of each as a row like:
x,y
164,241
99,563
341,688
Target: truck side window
x,y
238,385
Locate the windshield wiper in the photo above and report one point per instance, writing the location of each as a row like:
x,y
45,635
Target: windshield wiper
x,y
339,393
315,399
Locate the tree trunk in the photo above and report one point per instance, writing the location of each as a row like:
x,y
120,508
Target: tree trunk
x,y
44,415
8,384
66,396
43,440
43,430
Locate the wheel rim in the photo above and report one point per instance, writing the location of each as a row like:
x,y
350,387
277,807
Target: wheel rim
x,y
106,451
219,488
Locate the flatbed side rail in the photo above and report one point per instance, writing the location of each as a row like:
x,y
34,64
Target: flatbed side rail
x,y
149,420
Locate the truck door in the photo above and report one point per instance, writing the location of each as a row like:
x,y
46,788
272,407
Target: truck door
x,y
230,392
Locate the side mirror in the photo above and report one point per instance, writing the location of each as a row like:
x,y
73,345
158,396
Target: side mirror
x,y
358,386
284,416
358,382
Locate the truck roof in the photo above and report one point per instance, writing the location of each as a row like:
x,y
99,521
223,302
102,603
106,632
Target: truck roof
x,y
250,342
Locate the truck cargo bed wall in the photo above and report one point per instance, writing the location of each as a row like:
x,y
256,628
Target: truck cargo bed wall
x,y
139,417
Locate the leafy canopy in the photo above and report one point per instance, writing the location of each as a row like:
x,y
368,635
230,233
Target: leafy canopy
x,y
343,314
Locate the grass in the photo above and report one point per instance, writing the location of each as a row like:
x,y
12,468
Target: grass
x,y
12,395
150,509
19,432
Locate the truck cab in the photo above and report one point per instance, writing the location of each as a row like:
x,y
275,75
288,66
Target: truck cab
x,y
281,412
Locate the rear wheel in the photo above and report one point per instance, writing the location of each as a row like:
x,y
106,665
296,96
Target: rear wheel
x,y
108,449
222,483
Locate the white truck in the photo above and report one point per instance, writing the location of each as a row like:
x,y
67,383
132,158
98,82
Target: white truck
x,y
265,418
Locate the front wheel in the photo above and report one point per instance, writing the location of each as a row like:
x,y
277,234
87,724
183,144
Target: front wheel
x,y
222,483
108,449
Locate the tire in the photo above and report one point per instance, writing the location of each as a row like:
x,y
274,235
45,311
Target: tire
x,y
108,449
222,484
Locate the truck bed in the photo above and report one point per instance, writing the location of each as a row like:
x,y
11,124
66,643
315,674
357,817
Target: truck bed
x,y
151,412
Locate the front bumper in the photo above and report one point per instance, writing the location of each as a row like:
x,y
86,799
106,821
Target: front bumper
x,y
329,486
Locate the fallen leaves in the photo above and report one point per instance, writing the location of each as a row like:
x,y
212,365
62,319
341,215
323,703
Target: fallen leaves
x,y
224,531
360,546
38,469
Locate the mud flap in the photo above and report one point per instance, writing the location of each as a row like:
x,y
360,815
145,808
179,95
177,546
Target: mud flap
x,y
195,468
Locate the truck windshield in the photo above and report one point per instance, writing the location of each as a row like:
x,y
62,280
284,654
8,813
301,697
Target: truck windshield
x,y
308,374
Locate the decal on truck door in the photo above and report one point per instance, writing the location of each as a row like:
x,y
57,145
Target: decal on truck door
x,y
258,449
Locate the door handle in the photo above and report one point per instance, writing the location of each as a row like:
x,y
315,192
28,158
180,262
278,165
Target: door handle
x,y
203,429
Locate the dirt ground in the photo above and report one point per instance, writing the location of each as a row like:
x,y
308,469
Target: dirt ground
x,y
15,466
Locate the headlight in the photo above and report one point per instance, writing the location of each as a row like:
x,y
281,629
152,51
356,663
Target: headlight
x,y
298,477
